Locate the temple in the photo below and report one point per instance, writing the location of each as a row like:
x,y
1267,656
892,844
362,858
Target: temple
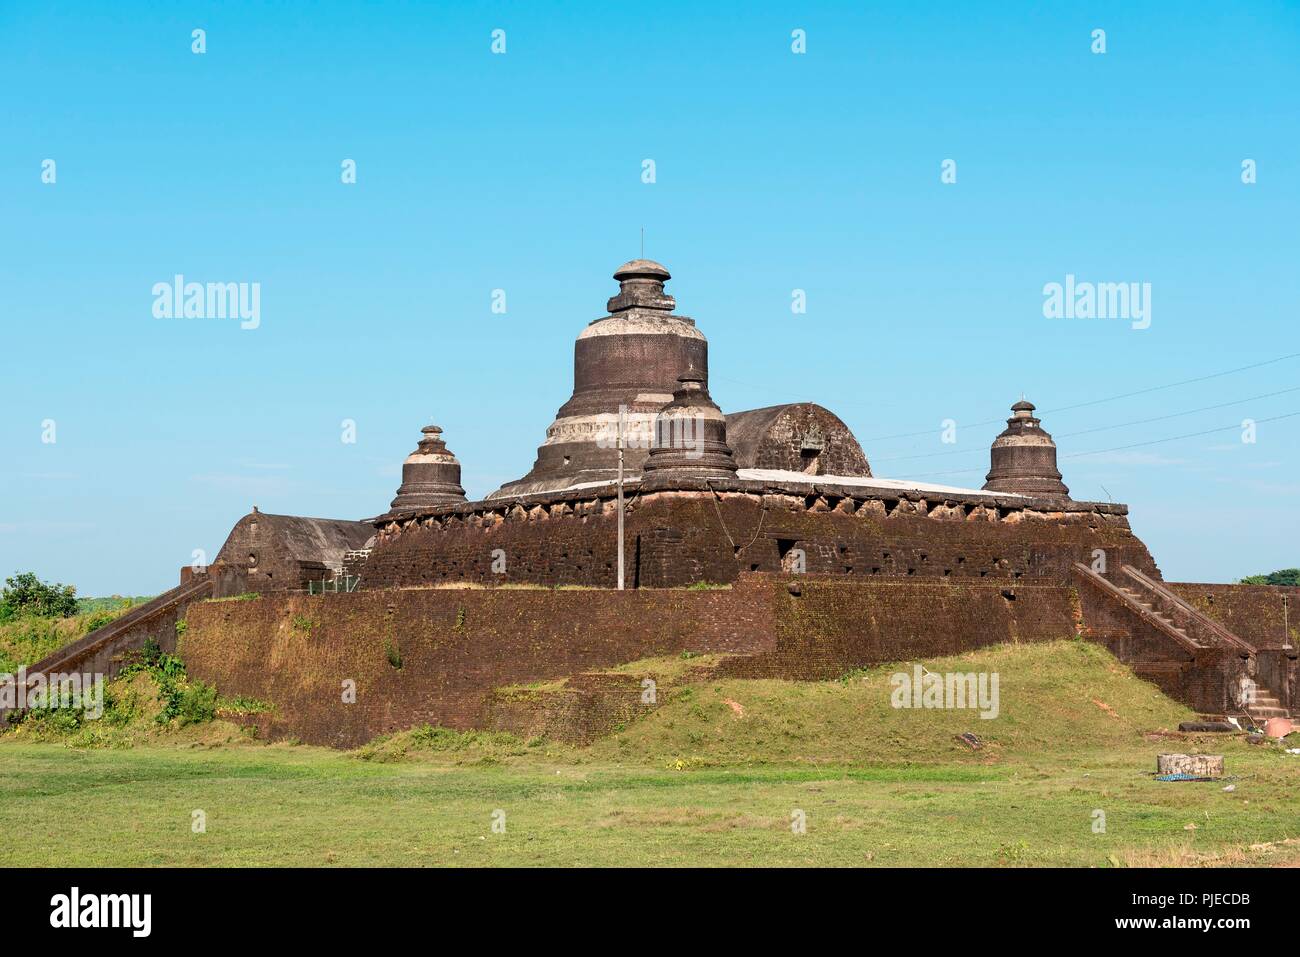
x,y
763,535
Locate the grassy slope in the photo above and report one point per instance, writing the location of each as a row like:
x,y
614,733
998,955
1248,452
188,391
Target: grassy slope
x,y
693,783
26,639
1048,693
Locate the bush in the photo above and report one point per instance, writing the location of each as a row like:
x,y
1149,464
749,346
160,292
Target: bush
x,y
1284,576
184,700
26,594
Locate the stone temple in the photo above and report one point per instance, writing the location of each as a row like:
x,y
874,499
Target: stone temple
x,y
761,534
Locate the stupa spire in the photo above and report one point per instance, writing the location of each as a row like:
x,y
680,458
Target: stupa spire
x,y
629,359
1023,457
430,474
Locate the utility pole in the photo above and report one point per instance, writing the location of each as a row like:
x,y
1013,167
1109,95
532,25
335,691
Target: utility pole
x,y
622,424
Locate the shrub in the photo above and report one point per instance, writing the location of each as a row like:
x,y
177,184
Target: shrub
x,y
184,700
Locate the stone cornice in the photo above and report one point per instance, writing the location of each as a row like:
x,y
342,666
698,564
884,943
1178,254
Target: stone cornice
x,y
831,492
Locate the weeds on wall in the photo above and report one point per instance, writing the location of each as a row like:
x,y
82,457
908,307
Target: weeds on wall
x,y
168,698
184,700
393,655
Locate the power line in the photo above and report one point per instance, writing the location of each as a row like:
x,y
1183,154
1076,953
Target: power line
x,y
1157,388
1174,415
1100,428
1112,398
1187,435
1133,445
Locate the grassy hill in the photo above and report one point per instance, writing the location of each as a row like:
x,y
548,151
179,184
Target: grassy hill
x,y
715,776
1054,698
27,638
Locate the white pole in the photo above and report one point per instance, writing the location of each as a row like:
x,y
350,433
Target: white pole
x,y
622,410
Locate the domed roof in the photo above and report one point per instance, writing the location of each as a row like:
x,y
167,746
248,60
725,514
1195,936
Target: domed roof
x,y
641,269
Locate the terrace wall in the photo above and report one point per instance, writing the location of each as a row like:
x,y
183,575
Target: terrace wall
x,y
455,645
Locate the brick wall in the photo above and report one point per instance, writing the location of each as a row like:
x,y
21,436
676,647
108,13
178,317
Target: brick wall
x,y
1264,616
1253,613
826,626
679,538
456,645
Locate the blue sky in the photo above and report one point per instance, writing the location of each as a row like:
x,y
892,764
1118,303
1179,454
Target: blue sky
x,y
522,171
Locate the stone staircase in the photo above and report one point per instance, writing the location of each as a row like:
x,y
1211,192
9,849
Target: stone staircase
x,y
1263,704
1149,609
1129,603
104,650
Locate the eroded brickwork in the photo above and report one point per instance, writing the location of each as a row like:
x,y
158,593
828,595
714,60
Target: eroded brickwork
x,y
682,537
435,655
431,655
1267,616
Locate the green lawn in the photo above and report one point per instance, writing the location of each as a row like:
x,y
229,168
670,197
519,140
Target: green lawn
x,y
695,783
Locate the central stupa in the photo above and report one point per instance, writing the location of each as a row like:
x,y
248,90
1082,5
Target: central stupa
x,y
632,357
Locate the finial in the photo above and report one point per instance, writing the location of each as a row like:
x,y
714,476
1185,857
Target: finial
x,y
641,286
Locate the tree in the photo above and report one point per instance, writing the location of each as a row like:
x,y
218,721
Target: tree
x,y
27,594
1284,576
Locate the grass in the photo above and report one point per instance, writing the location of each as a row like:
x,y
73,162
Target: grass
x,y
111,603
27,639
697,782
1056,699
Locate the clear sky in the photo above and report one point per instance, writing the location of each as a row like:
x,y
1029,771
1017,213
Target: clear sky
x,y
522,171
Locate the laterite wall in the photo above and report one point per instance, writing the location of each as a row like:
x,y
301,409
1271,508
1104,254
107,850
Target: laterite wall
x,y
682,537
1253,613
456,645
1264,616
825,626
295,650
